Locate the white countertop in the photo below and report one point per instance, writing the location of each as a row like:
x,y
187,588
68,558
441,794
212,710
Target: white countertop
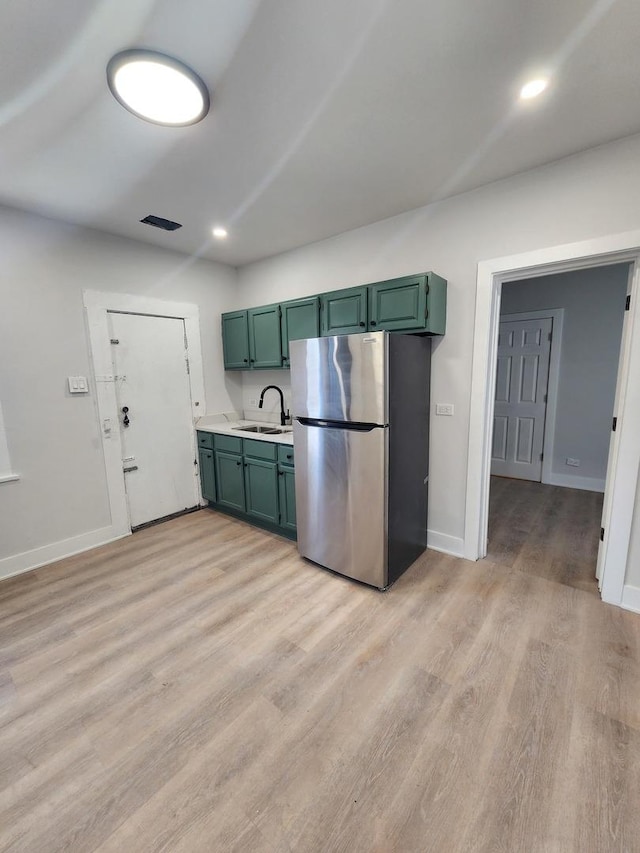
x,y
231,428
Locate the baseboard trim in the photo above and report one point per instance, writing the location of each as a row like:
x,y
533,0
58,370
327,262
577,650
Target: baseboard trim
x,y
631,598
447,544
29,560
587,484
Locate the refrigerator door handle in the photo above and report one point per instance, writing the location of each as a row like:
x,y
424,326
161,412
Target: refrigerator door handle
x,y
346,425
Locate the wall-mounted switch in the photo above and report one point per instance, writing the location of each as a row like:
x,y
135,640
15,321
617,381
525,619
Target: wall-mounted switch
x,y
78,384
444,409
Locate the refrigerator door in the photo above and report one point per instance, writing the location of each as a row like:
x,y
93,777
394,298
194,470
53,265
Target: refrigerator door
x,y
341,498
341,378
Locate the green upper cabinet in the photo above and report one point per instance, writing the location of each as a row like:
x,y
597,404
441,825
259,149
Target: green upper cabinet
x,y
235,340
300,319
412,303
261,489
344,311
264,336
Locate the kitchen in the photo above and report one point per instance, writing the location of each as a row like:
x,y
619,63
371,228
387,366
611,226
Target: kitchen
x,y
60,505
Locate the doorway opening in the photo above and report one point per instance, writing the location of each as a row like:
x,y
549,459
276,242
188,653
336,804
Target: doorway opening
x,y
619,582
557,361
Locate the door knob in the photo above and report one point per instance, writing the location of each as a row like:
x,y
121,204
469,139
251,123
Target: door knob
x,y
125,420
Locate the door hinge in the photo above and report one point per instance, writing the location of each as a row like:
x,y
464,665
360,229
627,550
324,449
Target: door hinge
x,y
550,336
602,534
627,304
279,311
615,424
546,397
114,341
188,368
541,456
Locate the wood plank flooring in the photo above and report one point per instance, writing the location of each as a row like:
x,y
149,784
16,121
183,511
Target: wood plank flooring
x,y
548,531
198,687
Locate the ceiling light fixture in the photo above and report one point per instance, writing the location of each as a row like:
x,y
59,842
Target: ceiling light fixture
x,y
157,88
219,233
533,88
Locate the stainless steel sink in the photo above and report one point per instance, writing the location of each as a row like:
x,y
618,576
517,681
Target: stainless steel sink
x,y
263,429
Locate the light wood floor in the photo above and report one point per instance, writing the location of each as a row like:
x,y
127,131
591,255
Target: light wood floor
x,y
548,531
197,687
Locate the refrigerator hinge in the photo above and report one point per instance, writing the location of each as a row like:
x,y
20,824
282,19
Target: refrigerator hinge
x,y
602,534
627,304
615,424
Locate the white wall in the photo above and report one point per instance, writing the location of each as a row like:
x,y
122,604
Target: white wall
x,y
54,438
585,196
594,301
253,381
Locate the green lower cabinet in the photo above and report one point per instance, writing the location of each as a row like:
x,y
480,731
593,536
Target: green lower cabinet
x,y
287,489
207,474
230,480
261,489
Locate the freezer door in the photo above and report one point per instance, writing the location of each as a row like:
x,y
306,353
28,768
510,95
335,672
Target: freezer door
x,y
342,378
341,499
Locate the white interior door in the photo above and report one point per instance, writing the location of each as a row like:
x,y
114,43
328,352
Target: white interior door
x,y
522,376
152,382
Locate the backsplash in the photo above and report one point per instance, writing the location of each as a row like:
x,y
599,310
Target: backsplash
x,y
253,381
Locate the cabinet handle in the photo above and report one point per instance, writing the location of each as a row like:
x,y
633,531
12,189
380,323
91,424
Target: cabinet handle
x,y
372,322
245,360
289,456
362,323
252,360
238,463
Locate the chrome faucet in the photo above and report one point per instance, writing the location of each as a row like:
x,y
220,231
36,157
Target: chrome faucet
x,y
283,416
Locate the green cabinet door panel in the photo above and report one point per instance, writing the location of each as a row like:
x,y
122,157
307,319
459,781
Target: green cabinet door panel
x,y
261,489
300,319
400,304
264,337
207,474
235,340
436,322
287,488
344,311
230,480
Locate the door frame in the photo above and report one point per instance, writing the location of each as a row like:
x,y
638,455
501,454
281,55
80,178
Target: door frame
x,y
553,381
97,306
624,449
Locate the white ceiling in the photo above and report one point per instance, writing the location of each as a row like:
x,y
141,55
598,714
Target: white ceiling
x,y
326,114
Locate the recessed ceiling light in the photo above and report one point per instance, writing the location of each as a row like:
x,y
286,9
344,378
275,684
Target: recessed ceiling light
x,y
157,88
533,88
220,233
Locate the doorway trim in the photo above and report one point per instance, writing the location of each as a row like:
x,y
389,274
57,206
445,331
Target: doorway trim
x,y
624,453
553,382
97,306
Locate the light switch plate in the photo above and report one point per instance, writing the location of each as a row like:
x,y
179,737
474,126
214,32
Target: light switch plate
x,y
444,409
78,384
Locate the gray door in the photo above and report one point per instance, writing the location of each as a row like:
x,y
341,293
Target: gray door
x,y
341,378
341,499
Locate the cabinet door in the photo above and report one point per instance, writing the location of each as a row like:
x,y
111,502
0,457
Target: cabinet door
x,y
207,474
264,336
230,480
300,319
261,489
287,488
398,305
235,340
344,311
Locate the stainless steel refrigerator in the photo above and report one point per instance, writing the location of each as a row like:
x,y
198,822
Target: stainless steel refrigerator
x,y
361,435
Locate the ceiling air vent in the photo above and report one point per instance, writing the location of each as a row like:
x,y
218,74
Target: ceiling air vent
x,y
159,222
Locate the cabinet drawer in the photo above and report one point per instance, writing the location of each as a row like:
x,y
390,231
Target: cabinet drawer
x,y
228,443
260,449
205,439
285,454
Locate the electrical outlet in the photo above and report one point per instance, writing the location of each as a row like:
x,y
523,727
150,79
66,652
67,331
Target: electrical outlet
x,y
444,409
575,463
253,403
